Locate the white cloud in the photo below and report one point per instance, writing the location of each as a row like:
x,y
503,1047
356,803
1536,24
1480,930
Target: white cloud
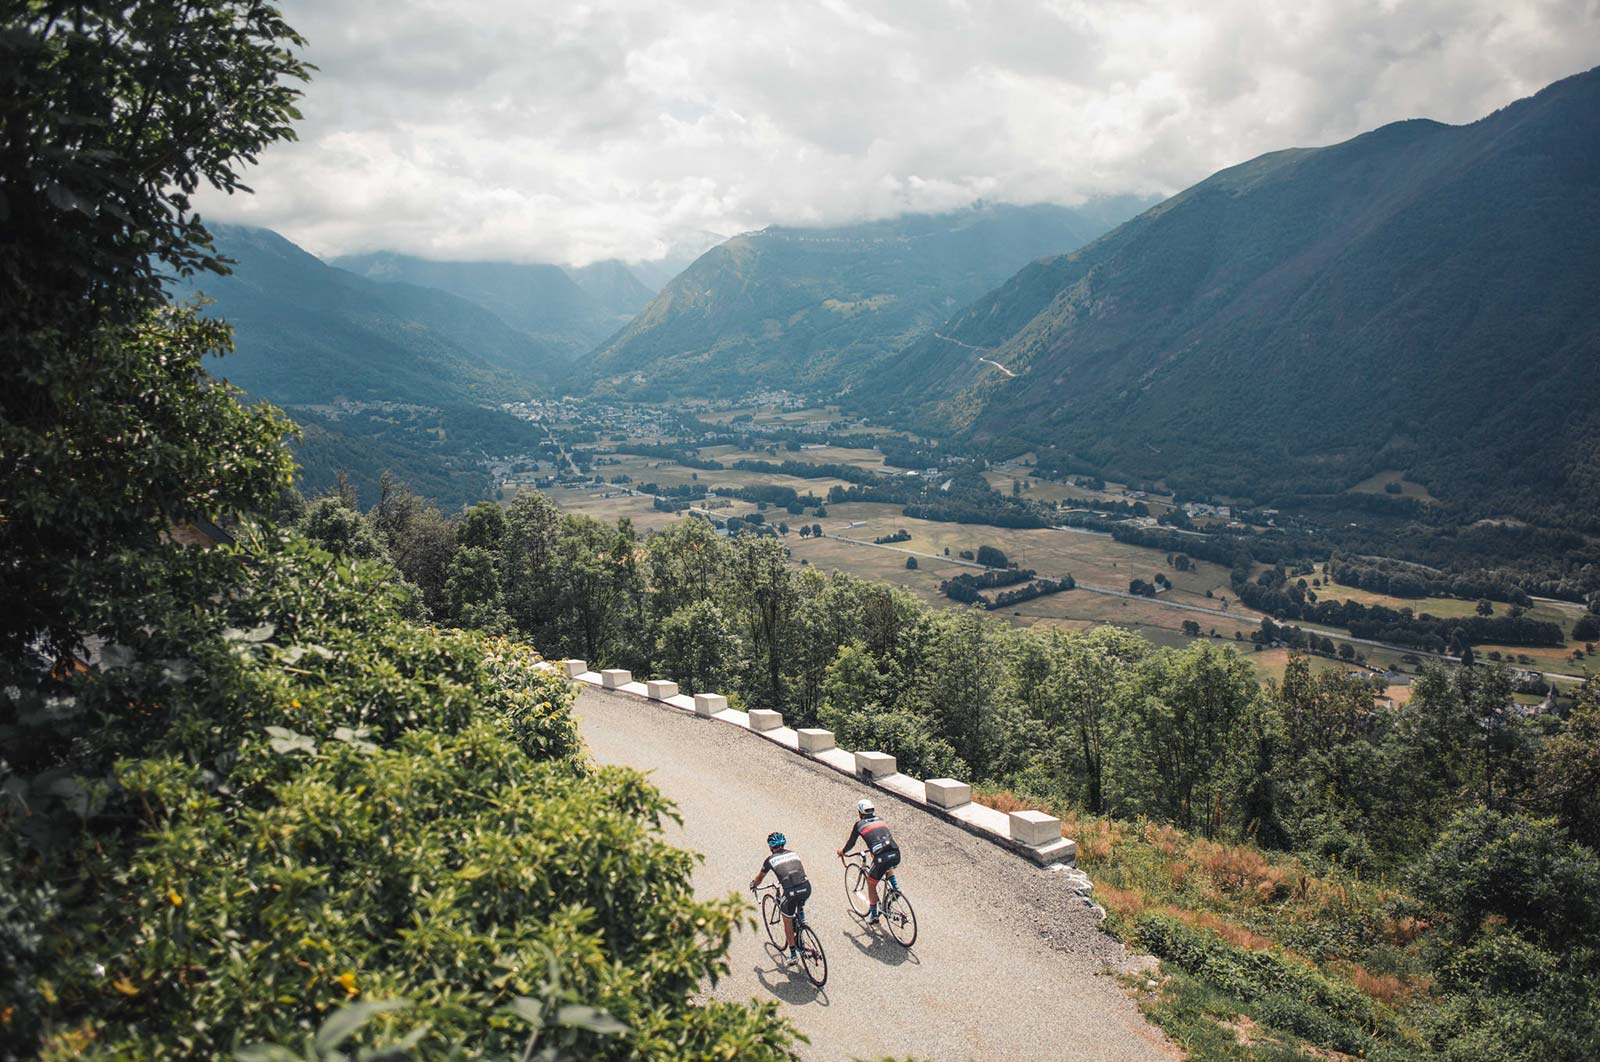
x,y
542,130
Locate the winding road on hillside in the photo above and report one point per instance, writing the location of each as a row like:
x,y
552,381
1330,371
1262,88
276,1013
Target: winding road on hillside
x,y
1009,964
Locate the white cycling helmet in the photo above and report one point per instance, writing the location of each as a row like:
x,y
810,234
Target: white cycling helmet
x,y
864,807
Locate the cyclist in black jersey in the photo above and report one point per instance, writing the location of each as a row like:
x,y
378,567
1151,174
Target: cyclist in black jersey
x,y
786,867
879,840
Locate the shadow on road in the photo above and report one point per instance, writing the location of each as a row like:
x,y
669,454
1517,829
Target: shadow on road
x,y
788,984
877,944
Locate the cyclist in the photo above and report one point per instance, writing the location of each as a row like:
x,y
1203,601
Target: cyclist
x,y
875,834
786,867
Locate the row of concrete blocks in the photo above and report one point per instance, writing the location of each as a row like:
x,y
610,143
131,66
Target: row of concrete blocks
x,y
1033,833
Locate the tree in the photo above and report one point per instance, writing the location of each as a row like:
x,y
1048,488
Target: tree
x,y
1087,689
1485,607
473,592
1568,785
483,525
341,530
991,557
1191,628
1184,708
109,429
805,530
697,646
1587,628
761,575
1521,872
911,563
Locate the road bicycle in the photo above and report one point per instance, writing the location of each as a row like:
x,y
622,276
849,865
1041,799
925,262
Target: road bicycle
x,y
813,960
894,910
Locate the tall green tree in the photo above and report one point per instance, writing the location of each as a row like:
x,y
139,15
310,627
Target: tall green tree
x,y
767,593
111,116
1088,685
1184,713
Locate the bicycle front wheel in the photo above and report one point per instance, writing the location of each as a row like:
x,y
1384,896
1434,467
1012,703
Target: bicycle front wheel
x,y
772,918
900,917
855,888
812,957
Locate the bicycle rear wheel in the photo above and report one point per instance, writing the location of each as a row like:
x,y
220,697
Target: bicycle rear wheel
x,y
772,919
812,958
855,888
900,917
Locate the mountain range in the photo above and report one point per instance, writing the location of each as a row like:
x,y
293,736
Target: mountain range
x,y
566,312
306,332
1421,298
824,307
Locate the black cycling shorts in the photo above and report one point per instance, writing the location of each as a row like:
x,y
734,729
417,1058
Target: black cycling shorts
x,y
794,899
884,862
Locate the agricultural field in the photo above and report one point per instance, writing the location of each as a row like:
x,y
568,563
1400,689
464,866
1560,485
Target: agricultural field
x,y
1562,613
1090,558
1375,484
826,455
1094,560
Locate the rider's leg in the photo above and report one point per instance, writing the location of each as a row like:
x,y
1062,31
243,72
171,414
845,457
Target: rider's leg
x,y
872,890
788,931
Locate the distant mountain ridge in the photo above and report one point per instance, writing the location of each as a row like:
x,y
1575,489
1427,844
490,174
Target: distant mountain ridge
x,y
1422,297
822,308
567,313
306,332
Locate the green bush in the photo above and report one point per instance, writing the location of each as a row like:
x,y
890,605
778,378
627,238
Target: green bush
x,y
1281,992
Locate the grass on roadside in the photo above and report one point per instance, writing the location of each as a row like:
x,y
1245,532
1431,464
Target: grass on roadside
x,y
1265,956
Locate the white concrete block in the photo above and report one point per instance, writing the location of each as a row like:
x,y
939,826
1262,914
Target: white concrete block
x,y
613,677
813,740
660,689
574,668
765,719
948,793
1035,828
709,704
874,764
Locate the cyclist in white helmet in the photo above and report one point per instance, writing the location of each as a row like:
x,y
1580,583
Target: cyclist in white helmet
x,y
875,834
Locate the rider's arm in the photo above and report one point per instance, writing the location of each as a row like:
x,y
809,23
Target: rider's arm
x,y
855,832
766,864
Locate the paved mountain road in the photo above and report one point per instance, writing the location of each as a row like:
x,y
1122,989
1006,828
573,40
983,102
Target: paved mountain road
x,y
1009,965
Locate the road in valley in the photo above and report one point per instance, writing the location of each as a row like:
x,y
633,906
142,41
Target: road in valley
x,y
1009,964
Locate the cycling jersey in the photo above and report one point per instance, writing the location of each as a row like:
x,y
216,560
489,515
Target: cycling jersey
x,y
786,867
874,833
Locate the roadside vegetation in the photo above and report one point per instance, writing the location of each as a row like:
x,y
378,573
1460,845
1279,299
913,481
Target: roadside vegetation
x,y
1315,868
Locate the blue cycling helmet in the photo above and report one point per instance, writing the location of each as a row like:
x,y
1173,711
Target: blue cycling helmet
x,y
776,840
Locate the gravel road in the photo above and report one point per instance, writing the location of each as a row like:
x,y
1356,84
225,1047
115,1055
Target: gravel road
x,y
1008,965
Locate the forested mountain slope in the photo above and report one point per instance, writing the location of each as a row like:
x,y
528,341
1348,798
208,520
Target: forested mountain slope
x,y
557,310
823,308
1422,297
614,286
306,332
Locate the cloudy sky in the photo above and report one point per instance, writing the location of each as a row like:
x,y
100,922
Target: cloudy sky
x,y
546,130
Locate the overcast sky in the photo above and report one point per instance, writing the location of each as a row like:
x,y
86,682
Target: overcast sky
x,y
543,130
